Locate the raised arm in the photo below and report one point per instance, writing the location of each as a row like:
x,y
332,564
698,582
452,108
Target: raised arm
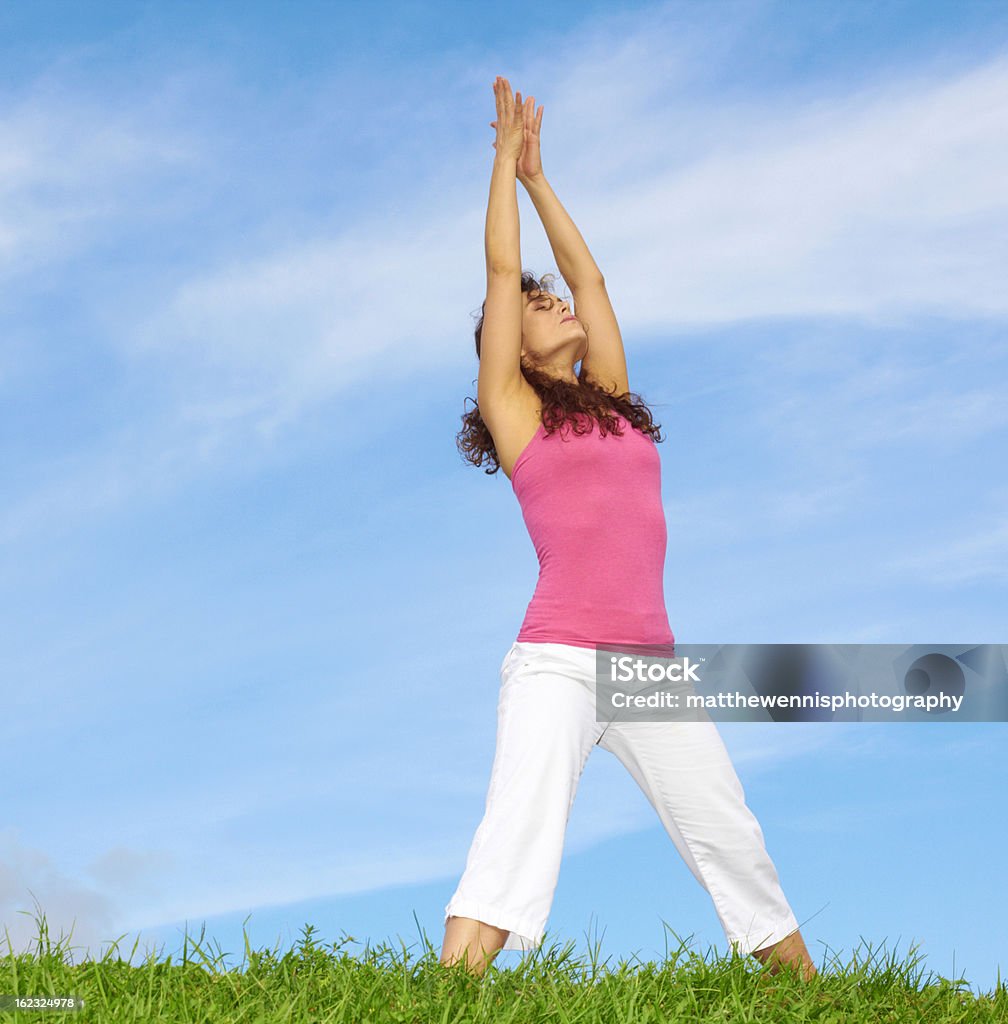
x,y
606,359
500,340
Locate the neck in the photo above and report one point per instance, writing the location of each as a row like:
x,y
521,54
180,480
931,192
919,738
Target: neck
x,y
561,373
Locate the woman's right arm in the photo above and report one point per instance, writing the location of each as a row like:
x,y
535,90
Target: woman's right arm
x,y
503,251
500,340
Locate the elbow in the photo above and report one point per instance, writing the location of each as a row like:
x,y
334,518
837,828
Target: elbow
x,y
578,282
503,268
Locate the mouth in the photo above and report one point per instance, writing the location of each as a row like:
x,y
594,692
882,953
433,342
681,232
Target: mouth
x,y
566,318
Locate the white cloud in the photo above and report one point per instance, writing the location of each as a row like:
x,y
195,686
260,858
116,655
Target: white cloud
x,y
737,511
982,554
72,167
258,340
878,204
82,911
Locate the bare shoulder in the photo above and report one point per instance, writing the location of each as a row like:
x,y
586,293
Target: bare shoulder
x,y
512,420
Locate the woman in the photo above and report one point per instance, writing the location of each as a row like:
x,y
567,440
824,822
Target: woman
x,y
580,452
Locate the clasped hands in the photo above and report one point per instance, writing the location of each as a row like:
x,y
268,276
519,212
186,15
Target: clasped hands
x,y
517,127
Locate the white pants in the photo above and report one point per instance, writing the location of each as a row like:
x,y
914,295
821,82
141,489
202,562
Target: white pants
x,y
546,728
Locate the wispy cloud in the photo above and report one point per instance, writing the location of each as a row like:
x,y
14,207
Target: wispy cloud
x,y
73,166
84,909
874,205
953,559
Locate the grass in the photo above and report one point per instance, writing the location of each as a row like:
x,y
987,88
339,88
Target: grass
x,y
313,983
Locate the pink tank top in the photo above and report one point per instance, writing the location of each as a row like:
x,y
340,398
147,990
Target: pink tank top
x,y
593,509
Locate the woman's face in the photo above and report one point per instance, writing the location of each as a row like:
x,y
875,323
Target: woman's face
x,y
551,336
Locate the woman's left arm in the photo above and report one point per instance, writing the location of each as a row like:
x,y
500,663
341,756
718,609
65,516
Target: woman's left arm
x,y
606,359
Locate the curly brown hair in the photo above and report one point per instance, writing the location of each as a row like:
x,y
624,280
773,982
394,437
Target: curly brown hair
x,y
561,401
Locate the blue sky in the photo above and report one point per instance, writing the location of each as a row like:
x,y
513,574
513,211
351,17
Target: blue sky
x,y
254,602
